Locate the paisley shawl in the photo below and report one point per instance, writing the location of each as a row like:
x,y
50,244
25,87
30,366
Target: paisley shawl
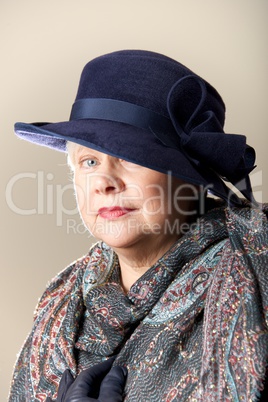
x,y
192,328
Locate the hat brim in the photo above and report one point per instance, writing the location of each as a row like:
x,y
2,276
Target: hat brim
x,y
124,141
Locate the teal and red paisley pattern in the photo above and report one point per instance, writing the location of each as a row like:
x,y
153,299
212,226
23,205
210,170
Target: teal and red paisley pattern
x,y
192,328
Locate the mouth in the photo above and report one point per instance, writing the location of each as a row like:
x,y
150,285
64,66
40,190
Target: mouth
x,y
114,212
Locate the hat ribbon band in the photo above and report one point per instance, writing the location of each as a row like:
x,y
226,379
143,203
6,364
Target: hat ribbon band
x,y
121,112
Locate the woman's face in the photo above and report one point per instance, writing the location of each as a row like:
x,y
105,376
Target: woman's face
x,y
125,204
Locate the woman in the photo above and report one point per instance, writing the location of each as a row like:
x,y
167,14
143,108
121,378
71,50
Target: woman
x,y
175,290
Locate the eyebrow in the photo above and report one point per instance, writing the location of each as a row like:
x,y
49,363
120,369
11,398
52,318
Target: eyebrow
x,y
76,150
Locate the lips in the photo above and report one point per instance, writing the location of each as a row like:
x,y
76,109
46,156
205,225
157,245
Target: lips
x,y
114,212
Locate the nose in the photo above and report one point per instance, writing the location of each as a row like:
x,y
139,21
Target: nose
x,y
108,180
107,184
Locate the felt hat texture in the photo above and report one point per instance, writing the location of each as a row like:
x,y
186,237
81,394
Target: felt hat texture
x,y
149,109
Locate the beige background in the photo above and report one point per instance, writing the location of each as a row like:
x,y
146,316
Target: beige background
x,y
44,45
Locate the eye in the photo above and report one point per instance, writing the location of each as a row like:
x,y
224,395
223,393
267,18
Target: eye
x,y
89,163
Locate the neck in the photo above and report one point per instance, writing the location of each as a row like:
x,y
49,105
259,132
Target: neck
x,y
135,261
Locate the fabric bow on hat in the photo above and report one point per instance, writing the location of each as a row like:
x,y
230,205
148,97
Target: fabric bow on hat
x,y
202,138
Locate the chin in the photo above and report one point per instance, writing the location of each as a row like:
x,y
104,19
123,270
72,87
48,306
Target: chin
x,y
121,240
118,234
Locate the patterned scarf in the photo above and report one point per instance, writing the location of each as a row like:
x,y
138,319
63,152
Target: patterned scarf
x,y
192,328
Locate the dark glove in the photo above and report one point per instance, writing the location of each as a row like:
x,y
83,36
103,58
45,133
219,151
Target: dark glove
x,y
100,383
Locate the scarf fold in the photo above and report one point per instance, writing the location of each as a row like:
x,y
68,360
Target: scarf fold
x,y
193,327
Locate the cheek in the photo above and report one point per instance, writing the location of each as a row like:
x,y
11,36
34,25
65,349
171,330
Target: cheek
x,y
82,195
80,199
153,206
155,199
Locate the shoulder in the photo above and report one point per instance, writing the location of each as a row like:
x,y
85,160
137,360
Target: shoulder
x,y
248,230
69,281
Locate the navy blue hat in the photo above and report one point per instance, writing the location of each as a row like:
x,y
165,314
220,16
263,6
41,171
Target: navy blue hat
x,y
149,109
